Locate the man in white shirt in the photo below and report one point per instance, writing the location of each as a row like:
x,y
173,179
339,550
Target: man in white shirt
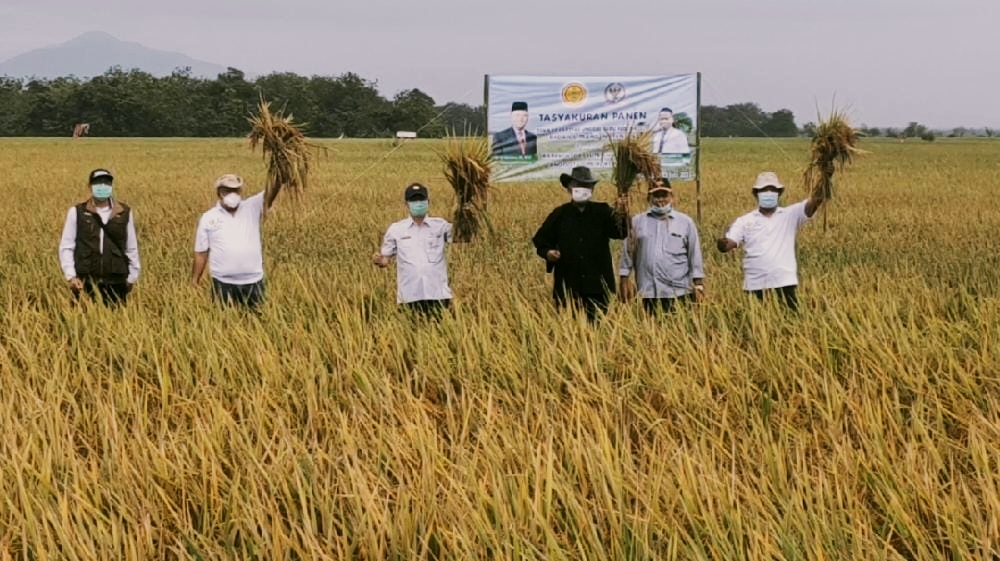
x,y
228,241
98,251
666,138
768,238
418,244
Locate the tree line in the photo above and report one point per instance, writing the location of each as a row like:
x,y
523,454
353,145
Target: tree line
x,y
133,103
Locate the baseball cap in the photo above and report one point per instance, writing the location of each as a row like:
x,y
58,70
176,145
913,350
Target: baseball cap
x,y
100,174
229,181
414,191
662,185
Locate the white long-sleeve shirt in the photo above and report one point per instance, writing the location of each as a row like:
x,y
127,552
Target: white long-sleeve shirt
x,y
68,243
670,141
421,271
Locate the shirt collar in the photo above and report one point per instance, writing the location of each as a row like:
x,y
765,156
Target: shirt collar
x,y
778,210
650,214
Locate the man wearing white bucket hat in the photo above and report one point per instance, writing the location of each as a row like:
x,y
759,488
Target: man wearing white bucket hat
x,y
228,241
768,238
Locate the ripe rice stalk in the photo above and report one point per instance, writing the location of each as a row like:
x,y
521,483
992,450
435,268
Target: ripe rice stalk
x,y
283,145
632,158
833,146
468,165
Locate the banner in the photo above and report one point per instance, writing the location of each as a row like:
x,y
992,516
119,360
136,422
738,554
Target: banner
x,y
541,126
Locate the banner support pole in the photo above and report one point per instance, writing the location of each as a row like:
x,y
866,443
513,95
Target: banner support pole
x,y
697,158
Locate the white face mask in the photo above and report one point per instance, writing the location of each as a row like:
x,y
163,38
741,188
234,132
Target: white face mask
x,y
232,200
581,194
768,199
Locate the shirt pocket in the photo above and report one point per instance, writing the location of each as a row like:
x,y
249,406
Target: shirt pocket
x,y
435,248
675,257
407,250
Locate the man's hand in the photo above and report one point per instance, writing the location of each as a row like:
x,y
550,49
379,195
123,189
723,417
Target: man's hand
x,y
699,293
725,245
75,285
552,256
626,288
380,260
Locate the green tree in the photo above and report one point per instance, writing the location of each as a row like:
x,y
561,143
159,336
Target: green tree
x,y
781,123
413,110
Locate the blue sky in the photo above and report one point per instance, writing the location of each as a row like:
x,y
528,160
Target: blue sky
x,y
887,61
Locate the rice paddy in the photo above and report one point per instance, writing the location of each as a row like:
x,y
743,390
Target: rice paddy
x,y
333,426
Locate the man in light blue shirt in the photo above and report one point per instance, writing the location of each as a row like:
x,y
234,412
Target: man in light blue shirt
x,y
664,251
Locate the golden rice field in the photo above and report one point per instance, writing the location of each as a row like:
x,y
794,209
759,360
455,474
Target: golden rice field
x,y
333,426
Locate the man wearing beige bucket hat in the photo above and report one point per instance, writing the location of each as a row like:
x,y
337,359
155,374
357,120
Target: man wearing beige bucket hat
x,y
767,235
228,241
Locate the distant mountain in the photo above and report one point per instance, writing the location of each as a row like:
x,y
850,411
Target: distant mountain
x,y
91,54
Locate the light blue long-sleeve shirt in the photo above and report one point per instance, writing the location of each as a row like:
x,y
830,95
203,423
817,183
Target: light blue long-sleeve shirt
x,y
667,255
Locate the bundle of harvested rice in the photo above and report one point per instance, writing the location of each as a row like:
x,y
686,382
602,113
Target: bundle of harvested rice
x,y
468,165
632,158
833,146
284,146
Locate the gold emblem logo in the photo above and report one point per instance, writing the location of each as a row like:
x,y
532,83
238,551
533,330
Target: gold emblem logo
x,y
574,94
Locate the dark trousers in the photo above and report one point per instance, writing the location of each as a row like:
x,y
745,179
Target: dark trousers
x,y
246,295
428,308
665,305
111,293
786,294
592,304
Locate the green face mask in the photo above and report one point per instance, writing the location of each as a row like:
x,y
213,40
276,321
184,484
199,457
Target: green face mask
x,y
418,209
101,191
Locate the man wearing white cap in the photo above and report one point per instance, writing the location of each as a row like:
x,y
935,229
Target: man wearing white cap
x,y
228,241
768,238
98,251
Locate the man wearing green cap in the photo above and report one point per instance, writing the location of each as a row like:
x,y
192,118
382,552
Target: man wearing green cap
x,y
98,251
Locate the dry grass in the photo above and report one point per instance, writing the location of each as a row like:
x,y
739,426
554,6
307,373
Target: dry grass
x,y
288,154
334,427
468,166
633,159
835,144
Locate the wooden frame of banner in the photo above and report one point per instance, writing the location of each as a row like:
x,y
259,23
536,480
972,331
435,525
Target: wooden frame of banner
x,y
697,157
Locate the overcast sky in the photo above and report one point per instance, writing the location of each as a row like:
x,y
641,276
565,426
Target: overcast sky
x,y
888,61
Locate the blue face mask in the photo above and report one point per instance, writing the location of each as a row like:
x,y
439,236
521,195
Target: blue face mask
x,y
101,191
661,210
768,199
418,209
